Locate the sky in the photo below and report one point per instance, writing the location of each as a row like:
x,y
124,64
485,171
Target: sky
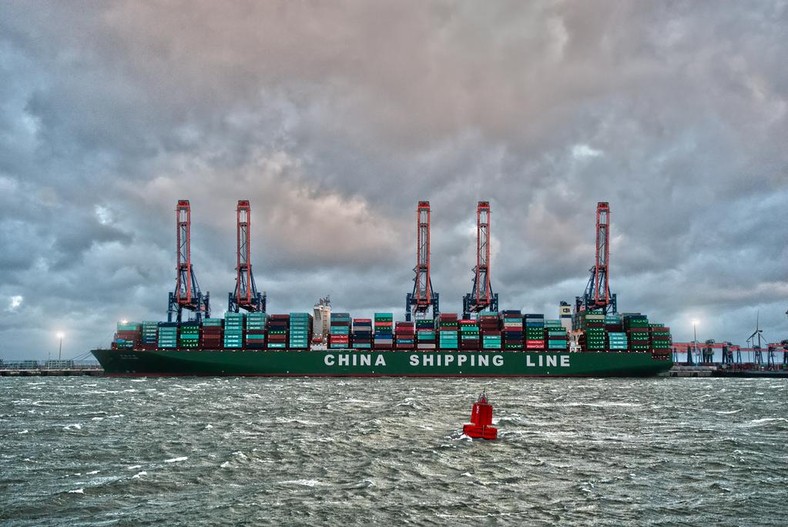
x,y
335,118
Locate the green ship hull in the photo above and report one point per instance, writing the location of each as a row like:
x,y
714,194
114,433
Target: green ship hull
x,y
356,363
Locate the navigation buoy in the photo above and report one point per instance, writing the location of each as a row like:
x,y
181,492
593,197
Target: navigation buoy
x,y
480,426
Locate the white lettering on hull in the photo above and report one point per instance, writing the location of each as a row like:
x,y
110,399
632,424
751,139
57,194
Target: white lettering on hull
x,y
446,360
353,359
451,359
549,361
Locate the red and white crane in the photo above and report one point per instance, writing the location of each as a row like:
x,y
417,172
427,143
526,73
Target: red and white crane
x,y
187,293
597,293
482,296
246,295
423,297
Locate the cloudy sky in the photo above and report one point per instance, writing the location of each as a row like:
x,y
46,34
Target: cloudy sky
x,y
335,118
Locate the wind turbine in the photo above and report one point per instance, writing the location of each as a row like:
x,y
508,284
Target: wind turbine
x,y
758,333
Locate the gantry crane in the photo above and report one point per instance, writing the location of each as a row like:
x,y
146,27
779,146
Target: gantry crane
x,y
784,344
597,294
423,297
481,296
246,295
187,293
727,353
707,352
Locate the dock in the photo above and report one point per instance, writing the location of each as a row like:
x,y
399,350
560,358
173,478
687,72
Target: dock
x,y
57,368
719,370
679,370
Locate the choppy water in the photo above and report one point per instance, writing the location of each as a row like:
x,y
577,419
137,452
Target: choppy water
x,y
86,451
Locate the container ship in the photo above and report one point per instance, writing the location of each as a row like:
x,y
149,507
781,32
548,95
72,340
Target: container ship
x,y
495,344
482,341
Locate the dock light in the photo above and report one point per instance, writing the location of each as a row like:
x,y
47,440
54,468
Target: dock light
x,y
60,335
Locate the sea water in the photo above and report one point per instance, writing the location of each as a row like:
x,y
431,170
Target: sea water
x,y
329,451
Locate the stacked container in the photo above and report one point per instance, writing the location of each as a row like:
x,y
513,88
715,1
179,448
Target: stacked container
x,y
189,335
362,333
405,335
661,341
277,331
614,323
168,335
339,331
637,329
425,334
255,330
512,324
594,336
490,330
594,339
300,330
616,336
384,331
128,335
555,335
212,333
534,332
447,326
470,336
617,341
233,330
508,330
591,318
150,334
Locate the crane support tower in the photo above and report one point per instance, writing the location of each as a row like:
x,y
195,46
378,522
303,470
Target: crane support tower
x,y
187,293
423,297
784,344
246,295
597,294
481,296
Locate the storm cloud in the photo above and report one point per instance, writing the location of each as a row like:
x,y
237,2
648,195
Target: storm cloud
x,y
335,118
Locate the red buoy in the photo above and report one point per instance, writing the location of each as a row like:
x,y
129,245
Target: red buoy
x,y
480,426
